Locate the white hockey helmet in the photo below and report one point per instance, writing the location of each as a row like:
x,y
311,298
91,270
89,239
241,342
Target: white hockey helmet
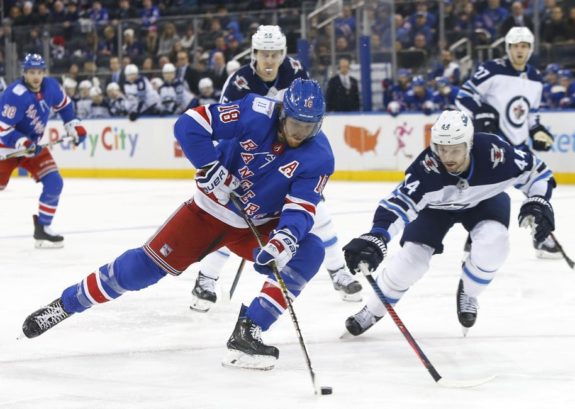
x,y
517,35
169,67
269,38
95,91
205,83
131,69
113,86
452,128
85,84
69,83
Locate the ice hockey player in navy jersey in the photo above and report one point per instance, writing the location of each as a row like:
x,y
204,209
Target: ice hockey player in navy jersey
x,y
24,111
503,97
275,158
270,72
460,178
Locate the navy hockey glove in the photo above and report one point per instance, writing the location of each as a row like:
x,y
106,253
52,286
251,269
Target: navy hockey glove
x,y
29,148
280,249
132,116
542,139
368,248
486,120
75,131
217,182
537,213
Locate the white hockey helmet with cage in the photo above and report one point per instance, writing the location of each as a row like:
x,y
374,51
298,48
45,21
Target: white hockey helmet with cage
x,y
517,35
452,128
268,38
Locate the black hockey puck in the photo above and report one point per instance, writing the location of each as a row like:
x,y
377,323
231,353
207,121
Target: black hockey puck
x,y
326,390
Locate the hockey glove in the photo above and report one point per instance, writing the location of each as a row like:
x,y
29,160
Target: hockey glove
x,y
133,116
542,139
486,120
280,249
217,182
30,148
76,131
368,248
537,213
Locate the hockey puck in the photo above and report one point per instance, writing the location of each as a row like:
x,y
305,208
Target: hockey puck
x,y
326,390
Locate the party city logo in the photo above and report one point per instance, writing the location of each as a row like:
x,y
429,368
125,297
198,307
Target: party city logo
x,y
109,139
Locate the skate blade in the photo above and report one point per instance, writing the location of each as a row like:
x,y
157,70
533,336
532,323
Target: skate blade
x,y
200,305
464,331
350,297
347,336
238,359
45,244
545,255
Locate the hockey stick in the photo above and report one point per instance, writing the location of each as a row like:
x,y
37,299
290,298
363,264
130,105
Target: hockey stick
x,y
418,351
283,287
565,256
21,152
237,277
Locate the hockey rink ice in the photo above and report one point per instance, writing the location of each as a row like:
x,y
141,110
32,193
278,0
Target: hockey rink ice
x,y
149,350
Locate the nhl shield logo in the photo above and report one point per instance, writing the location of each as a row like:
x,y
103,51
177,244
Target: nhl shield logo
x,y
497,155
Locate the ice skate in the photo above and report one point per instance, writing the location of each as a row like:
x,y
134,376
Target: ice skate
x,y
45,318
246,348
547,249
45,237
204,293
362,321
346,285
466,309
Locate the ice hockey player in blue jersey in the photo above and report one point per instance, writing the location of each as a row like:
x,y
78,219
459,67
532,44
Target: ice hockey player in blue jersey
x,y
270,72
24,111
503,97
460,178
275,158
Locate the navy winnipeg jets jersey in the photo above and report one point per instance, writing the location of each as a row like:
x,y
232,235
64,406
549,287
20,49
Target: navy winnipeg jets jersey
x,y
25,113
495,166
276,180
245,80
516,96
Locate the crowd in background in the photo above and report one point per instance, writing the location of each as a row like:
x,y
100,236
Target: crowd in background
x,y
91,44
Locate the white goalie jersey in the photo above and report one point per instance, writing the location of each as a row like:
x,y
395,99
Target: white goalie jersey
x,y
515,96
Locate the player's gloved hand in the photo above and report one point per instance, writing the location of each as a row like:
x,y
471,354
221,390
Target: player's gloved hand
x,y
217,182
25,144
542,139
280,248
132,116
369,248
537,213
486,120
76,131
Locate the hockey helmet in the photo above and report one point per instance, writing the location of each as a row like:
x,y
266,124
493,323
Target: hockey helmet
x,y
168,68
131,69
517,35
452,128
303,102
268,38
33,61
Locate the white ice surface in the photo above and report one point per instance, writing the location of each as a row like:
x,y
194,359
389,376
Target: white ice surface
x,y
148,350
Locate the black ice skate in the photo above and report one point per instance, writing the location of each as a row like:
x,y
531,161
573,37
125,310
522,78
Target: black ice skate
x,y
466,309
362,321
345,284
204,293
547,249
45,318
246,349
45,237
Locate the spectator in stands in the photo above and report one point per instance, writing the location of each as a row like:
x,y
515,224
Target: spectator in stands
x,y
27,17
131,47
108,45
99,15
99,107
550,85
421,27
71,20
116,73
232,46
152,41
491,18
124,11
208,95
174,95
168,38
419,98
58,14
516,19
343,47
421,7
464,21
566,81
74,71
43,14
345,25
555,29
186,73
444,97
163,60
217,72
342,92
116,100
397,92
148,65
447,67
571,25
209,38
150,13
189,39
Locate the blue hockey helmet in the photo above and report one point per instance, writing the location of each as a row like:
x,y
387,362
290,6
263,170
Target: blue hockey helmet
x,y
552,69
304,104
418,81
33,61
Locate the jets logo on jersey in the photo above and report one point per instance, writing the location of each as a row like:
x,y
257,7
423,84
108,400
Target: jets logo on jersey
x,y
430,164
497,155
517,110
241,83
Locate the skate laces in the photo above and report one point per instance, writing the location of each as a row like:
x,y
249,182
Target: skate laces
x,y
467,303
207,283
256,332
51,316
342,278
365,317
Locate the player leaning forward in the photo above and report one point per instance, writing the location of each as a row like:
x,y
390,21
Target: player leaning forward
x,y
275,158
460,178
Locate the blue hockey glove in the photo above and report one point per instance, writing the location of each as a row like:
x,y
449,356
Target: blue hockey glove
x,y
537,213
217,182
30,148
75,131
369,248
542,139
280,249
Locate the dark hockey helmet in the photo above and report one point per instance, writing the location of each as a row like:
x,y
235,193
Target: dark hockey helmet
x,y
303,103
33,61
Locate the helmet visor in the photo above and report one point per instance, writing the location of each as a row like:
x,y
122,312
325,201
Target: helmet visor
x,y
298,131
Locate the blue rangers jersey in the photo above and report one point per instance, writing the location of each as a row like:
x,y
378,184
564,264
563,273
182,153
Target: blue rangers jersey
x,y
25,113
245,80
495,166
276,180
516,96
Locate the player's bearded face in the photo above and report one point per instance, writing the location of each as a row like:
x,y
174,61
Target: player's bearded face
x,y
453,157
33,78
519,52
294,132
268,64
